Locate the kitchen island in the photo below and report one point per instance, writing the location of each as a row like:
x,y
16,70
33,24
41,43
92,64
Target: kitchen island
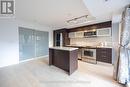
x,y
65,58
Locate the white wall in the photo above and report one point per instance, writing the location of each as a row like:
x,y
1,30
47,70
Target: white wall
x,y
50,38
36,26
115,40
9,39
116,18
9,49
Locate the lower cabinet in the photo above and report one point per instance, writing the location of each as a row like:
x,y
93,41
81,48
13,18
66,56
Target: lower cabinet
x,y
104,55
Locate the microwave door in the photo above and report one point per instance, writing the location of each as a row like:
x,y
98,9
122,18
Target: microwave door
x,y
90,34
87,34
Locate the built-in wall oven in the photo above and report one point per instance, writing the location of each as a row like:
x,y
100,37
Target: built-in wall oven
x,y
89,55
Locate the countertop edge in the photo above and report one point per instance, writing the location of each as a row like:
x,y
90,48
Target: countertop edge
x,y
90,47
64,48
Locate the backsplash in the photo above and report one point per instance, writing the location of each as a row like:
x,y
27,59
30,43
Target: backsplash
x,y
91,41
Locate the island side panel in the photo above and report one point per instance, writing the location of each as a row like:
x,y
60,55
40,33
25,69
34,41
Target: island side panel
x,y
73,61
61,59
51,52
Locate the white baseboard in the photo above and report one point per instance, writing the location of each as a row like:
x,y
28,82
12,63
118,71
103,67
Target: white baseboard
x,y
25,61
33,58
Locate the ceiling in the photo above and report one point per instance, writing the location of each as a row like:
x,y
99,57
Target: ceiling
x,y
50,12
55,13
105,9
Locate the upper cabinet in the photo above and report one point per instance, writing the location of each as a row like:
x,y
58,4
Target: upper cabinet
x,y
79,34
62,37
104,32
72,35
101,29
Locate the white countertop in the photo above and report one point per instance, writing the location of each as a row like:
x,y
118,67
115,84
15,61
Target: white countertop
x,y
64,48
104,46
90,46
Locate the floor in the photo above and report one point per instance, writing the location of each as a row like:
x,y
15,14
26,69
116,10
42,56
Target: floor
x,y
37,73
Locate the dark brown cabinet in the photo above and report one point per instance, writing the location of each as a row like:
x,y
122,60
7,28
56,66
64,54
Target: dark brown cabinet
x,y
66,60
104,55
57,37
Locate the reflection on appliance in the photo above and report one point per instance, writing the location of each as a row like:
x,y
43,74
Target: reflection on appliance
x,y
89,55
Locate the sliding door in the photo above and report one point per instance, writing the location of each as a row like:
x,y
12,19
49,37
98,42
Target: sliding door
x,y
32,43
26,43
41,43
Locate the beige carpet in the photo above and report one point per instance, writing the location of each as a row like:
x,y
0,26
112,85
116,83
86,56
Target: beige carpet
x,y
37,73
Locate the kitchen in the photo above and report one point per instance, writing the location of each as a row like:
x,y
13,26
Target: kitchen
x,y
94,42
59,43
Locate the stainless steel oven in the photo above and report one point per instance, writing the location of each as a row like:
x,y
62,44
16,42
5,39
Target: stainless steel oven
x,y
89,55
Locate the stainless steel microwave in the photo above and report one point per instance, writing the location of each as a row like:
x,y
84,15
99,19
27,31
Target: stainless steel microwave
x,y
91,33
89,53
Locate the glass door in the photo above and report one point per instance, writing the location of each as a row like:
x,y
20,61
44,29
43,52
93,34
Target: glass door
x,y
42,43
32,43
26,43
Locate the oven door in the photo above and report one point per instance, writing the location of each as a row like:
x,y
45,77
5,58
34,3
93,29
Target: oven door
x,y
89,53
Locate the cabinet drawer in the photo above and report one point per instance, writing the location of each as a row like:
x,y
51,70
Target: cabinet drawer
x,y
104,55
104,49
104,59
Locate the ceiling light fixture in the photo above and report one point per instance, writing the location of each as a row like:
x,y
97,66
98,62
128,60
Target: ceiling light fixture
x,y
78,19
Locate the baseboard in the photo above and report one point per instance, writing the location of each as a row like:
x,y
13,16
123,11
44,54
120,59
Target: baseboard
x,y
103,63
24,61
33,58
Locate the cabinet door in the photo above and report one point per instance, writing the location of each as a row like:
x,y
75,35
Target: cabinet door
x,y
79,34
104,32
26,43
41,43
104,55
32,43
72,35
